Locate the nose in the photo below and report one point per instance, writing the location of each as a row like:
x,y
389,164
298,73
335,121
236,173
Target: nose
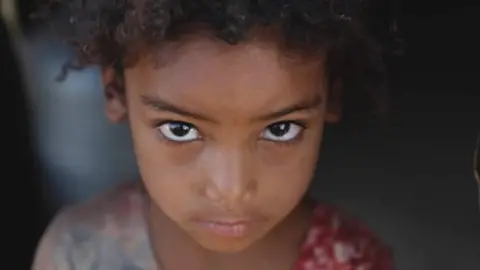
x,y
230,177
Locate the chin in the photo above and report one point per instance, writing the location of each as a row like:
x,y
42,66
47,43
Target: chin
x,y
225,245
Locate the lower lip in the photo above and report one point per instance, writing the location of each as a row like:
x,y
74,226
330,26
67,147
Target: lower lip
x,y
238,229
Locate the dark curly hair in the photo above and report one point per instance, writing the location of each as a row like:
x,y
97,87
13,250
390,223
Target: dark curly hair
x,y
105,32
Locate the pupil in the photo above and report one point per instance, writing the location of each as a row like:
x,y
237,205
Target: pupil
x,y
179,129
280,129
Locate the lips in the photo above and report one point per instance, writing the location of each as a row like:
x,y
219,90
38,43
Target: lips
x,y
232,227
232,224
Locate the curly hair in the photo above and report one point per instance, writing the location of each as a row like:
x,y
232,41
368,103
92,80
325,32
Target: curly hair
x,y
106,32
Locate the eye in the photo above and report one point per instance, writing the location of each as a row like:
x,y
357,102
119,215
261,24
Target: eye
x,y
178,131
282,131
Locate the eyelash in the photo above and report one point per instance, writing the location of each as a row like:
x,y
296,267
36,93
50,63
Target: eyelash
x,y
159,123
303,124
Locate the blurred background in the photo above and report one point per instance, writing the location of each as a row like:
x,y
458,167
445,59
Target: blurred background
x,y
412,181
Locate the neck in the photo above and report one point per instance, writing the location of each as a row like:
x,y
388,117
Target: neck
x,y
171,245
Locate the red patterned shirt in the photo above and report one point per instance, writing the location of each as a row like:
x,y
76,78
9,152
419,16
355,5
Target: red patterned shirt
x,y
335,242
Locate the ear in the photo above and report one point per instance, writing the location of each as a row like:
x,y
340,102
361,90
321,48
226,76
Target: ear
x,y
114,92
334,108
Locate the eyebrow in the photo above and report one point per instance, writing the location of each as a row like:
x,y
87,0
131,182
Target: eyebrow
x,y
303,105
162,105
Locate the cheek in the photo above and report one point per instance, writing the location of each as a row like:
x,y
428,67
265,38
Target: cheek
x,y
285,173
166,171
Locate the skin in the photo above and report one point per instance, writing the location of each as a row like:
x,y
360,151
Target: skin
x,y
233,159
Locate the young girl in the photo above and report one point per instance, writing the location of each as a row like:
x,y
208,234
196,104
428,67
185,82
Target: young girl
x,y
227,102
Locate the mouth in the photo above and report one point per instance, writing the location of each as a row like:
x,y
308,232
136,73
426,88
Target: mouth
x,y
235,228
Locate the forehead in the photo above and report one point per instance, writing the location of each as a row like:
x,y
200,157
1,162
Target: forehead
x,y
208,73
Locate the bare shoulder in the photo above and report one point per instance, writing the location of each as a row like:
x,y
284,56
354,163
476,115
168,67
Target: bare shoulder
x,y
340,239
107,232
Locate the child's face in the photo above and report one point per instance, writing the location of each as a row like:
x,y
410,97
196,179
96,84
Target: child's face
x,y
226,137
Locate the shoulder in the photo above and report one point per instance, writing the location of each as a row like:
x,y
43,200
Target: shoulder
x,y
93,234
339,241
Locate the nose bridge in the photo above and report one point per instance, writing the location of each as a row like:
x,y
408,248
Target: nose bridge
x,y
230,173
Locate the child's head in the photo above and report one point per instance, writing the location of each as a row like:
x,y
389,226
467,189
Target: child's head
x,y
227,100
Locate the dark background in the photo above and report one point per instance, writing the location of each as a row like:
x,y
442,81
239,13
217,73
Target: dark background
x,y
412,181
